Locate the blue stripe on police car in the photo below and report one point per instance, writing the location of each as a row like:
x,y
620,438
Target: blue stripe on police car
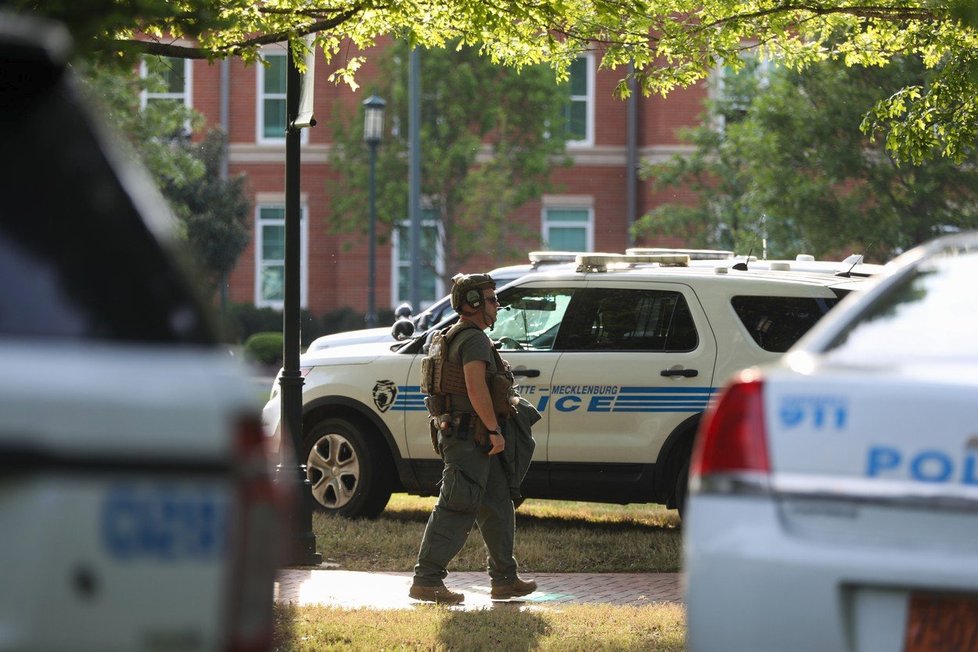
x,y
621,400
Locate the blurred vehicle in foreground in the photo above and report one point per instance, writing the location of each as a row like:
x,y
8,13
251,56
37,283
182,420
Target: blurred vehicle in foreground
x,y
137,505
834,495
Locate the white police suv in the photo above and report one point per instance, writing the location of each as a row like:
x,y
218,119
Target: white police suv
x,y
620,357
834,495
137,504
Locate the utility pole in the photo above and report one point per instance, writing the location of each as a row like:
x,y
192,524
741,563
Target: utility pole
x,y
414,176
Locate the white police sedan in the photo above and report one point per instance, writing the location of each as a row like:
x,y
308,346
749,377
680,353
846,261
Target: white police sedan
x,y
834,496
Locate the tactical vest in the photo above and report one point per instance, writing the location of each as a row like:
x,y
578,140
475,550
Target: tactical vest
x,y
441,378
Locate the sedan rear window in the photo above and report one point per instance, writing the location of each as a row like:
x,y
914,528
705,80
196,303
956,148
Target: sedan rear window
x,y
929,314
77,259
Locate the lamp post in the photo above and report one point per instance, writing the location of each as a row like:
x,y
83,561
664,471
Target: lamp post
x,y
303,549
373,130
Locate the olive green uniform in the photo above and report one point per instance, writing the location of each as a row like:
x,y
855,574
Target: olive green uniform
x,y
474,487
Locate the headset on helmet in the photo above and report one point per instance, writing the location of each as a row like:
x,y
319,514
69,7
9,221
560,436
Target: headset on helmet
x,y
467,289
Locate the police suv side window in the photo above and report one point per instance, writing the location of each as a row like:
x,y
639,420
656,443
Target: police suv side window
x,y
776,323
603,319
529,318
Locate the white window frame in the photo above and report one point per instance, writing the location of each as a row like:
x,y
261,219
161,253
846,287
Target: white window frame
x,y
260,97
396,263
717,88
260,263
186,97
546,223
588,99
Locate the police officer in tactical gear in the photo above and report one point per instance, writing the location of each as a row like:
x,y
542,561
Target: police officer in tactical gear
x,y
474,487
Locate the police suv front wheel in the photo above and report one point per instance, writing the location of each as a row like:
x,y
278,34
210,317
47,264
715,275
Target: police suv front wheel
x,y
351,475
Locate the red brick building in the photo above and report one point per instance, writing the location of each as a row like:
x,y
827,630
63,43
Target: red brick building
x,y
593,214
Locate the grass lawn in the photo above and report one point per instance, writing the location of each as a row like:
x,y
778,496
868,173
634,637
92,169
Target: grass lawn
x,y
590,538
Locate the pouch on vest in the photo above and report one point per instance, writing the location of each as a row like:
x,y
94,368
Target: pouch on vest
x,y
502,389
439,379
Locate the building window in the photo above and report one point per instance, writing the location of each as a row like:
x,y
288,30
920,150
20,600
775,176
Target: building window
x,y
167,96
270,257
174,76
272,113
431,267
735,89
580,107
568,229
271,97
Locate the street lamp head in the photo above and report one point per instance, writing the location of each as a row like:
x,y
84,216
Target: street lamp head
x,y
373,119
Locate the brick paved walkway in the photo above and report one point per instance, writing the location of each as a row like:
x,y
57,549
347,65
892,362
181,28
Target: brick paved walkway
x,y
354,589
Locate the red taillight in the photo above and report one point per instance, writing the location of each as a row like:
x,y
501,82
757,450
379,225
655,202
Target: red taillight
x,y
732,437
257,532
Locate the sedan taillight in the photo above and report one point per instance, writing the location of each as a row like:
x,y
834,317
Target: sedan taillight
x,y
257,532
732,438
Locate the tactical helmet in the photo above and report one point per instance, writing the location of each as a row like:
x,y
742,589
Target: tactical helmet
x,y
467,289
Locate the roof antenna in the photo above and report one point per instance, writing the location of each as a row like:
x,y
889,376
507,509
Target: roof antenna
x,y
743,266
855,259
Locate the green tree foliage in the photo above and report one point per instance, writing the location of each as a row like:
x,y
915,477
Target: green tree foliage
x,y
791,165
489,137
670,43
215,210
212,211
157,133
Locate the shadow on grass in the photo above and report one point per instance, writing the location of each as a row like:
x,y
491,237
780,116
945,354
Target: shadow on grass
x,y
505,626
509,628
559,522
284,620
554,522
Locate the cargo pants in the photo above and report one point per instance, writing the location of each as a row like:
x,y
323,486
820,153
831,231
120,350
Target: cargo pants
x,y
474,490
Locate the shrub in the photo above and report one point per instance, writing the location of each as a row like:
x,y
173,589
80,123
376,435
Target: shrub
x,y
264,349
243,320
347,319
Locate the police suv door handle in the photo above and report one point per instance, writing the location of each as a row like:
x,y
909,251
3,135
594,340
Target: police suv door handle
x,y
678,371
528,373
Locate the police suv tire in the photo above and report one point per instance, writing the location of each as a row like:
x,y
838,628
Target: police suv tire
x,y
350,473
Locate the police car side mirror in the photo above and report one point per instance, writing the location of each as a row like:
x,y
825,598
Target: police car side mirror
x,y
402,329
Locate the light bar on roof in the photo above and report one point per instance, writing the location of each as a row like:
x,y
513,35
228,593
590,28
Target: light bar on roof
x,y
596,262
694,254
666,260
537,257
601,262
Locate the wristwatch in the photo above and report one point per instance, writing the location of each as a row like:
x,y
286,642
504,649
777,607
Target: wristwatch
x,y
497,431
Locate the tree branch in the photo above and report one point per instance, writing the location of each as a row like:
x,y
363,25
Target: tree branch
x,y
178,51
